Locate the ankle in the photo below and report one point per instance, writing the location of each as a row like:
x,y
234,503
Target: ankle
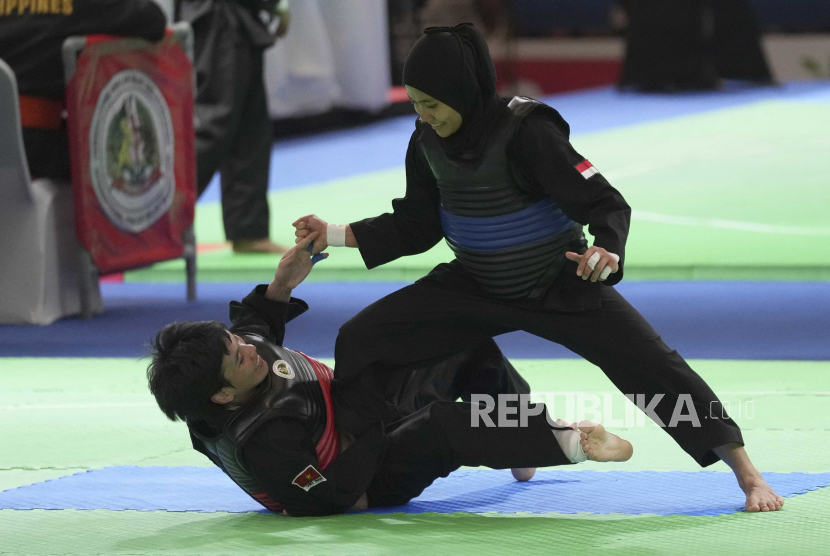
x,y
753,476
749,478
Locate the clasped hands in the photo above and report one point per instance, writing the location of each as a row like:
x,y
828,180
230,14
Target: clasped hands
x,y
293,268
309,224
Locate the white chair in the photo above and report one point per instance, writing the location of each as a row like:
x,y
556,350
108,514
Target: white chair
x,y
39,254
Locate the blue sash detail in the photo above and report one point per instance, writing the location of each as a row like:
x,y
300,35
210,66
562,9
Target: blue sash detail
x,y
539,221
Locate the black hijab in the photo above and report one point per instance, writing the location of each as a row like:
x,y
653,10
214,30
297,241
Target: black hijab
x,y
453,65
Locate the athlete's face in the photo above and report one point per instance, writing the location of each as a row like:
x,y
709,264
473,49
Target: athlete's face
x,y
243,368
443,119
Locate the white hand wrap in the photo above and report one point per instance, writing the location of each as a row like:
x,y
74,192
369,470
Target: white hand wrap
x,y
592,262
336,235
606,272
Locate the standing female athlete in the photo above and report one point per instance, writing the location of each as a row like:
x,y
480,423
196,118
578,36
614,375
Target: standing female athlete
x,y
499,180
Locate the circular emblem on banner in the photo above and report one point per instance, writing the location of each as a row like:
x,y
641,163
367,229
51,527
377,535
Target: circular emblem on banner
x,y
131,151
283,369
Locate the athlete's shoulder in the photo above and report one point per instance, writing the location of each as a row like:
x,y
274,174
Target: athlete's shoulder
x,y
537,117
542,115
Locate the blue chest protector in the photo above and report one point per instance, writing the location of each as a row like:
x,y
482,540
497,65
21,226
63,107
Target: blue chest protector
x,y
511,241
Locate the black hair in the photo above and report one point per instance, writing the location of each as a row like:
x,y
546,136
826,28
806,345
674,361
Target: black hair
x,y
186,367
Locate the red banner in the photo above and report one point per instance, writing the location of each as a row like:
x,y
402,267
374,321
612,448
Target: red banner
x,y
131,137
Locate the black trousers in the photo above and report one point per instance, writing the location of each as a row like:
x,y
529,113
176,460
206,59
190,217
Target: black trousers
x,y
666,47
690,44
430,320
396,393
438,439
429,434
233,127
47,153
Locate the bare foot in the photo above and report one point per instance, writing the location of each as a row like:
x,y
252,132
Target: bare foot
x,y
523,474
258,246
600,445
759,496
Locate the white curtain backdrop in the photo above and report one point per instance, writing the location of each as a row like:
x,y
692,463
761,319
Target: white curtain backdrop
x,y
336,54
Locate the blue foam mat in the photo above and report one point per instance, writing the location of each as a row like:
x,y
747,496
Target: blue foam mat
x,y
720,320
207,489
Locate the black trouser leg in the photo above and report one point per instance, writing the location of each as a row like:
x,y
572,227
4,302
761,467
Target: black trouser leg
x,y
480,370
233,129
618,340
245,172
47,153
736,42
438,439
222,73
417,326
428,320
391,394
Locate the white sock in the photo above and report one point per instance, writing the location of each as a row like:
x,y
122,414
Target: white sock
x,y
569,442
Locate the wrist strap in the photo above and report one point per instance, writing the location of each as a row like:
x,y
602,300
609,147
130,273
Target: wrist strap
x,y
336,235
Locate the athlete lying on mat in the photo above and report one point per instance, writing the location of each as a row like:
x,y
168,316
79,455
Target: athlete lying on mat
x,y
270,417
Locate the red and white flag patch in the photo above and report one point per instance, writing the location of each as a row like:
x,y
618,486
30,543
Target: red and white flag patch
x,y
308,478
586,169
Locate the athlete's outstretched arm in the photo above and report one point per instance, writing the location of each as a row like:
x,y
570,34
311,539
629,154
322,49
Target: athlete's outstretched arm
x,y
266,309
294,267
413,226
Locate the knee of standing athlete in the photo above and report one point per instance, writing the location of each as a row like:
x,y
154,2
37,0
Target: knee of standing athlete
x,y
353,331
350,333
358,335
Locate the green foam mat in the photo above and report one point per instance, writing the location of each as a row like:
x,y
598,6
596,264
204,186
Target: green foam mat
x,y
90,413
62,416
802,528
735,194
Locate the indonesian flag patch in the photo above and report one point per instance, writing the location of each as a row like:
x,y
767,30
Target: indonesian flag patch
x,y
586,169
308,478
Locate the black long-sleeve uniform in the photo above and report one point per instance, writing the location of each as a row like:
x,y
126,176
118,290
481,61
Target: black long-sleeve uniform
x,y
282,447
447,311
431,437
541,152
31,37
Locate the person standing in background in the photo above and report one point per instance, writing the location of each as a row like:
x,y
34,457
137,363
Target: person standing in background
x,y
688,45
31,37
233,128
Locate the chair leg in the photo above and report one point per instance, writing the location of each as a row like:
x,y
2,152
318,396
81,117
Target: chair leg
x,y
88,281
190,262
